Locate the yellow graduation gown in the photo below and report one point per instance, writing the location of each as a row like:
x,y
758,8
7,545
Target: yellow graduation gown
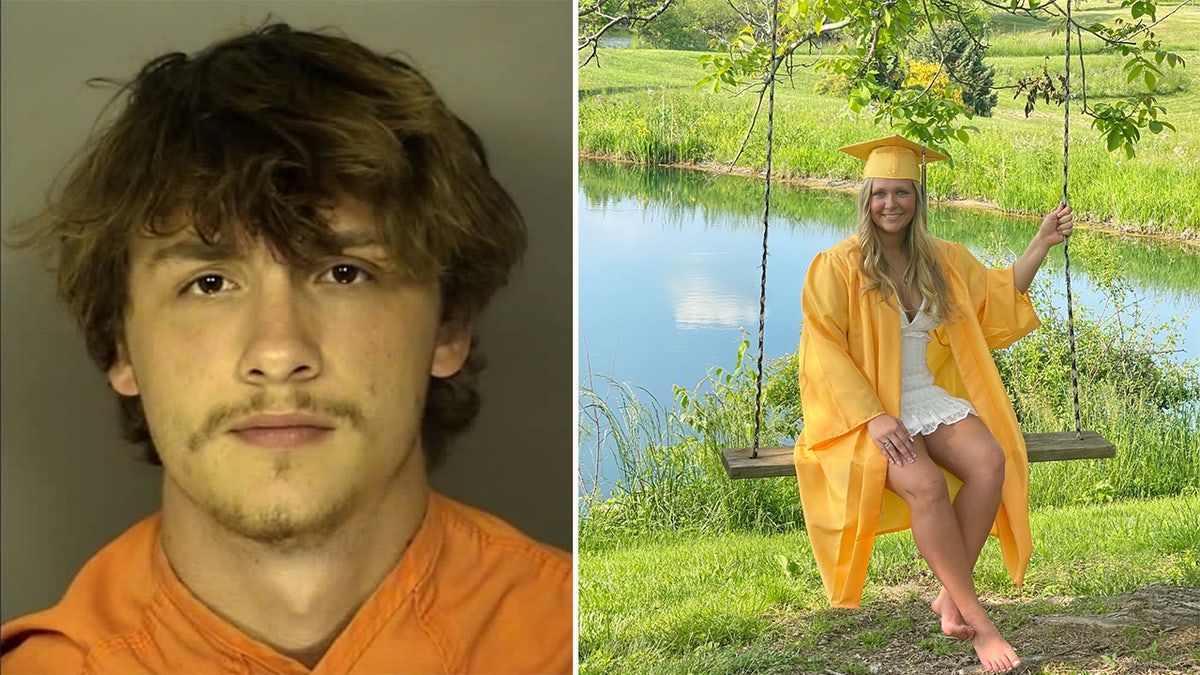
x,y
850,373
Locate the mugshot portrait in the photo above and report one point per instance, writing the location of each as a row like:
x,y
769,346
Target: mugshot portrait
x,y
70,483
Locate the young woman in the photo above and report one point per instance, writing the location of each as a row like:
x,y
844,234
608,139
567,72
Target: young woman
x,y
906,421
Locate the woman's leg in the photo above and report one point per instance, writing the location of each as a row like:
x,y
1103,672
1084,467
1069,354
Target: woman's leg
x,y
939,538
968,450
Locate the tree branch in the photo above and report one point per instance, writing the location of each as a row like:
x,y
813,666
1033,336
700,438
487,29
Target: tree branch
x,y
1082,76
591,10
746,138
746,17
951,70
593,40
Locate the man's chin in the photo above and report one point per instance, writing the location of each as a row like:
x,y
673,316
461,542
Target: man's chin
x,y
280,526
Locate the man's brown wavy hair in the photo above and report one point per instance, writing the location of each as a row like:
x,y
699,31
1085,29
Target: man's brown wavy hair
x,y
262,134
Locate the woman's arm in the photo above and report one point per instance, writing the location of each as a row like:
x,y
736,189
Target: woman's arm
x,y
1056,227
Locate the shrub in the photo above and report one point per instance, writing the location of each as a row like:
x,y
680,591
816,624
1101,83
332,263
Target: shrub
x,y
964,61
834,84
925,75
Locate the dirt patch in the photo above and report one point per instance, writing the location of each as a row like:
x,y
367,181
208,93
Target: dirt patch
x,y
1154,629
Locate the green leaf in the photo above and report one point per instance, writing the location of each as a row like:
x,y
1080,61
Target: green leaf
x,y
1134,73
1114,139
1156,126
962,135
1150,81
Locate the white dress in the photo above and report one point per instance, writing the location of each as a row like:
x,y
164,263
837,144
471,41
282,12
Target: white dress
x,y
923,404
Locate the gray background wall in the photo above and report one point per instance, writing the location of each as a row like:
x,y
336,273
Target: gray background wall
x,y
68,484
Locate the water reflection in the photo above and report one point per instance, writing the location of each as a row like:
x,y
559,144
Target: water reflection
x,y
699,303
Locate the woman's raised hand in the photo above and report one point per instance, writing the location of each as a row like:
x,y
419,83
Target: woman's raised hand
x,y
892,437
1056,226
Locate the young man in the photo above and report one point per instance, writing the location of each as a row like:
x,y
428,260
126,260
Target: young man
x,y
276,253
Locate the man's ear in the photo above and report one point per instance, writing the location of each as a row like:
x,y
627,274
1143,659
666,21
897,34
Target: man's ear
x,y
120,374
452,349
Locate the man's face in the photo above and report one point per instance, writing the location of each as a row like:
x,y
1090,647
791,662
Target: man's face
x,y
279,398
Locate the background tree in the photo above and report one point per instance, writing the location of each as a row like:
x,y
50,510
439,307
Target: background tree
x,y
597,17
962,50
872,42
691,25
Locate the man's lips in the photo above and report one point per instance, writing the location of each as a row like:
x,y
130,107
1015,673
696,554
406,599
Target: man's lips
x,y
282,431
282,420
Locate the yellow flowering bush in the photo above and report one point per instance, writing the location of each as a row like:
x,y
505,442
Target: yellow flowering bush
x,y
920,73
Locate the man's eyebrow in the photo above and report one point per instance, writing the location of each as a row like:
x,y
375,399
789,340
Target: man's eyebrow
x,y
191,250
343,241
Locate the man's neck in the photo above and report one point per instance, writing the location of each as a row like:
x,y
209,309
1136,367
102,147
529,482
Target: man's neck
x,y
297,601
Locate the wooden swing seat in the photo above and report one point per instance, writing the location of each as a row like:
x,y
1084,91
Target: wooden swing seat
x,y
777,461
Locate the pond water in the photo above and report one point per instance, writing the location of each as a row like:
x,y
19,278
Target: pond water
x,y
669,264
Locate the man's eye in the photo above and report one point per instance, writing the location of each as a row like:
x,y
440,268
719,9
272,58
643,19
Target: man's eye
x,y
209,284
346,274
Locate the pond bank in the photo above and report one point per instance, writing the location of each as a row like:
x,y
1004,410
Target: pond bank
x,y
1189,239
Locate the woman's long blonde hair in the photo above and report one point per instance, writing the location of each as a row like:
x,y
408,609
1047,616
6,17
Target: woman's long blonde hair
x,y
923,266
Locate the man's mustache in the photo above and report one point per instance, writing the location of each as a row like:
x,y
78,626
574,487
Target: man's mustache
x,y
296,401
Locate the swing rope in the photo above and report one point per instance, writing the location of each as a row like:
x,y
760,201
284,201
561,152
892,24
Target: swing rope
x,y
762,297
1067,240
762,292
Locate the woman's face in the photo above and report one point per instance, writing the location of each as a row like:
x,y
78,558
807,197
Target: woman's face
x,y
893,204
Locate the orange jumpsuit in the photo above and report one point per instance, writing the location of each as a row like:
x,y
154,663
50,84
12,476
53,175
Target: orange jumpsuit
x,y
850,373
469,595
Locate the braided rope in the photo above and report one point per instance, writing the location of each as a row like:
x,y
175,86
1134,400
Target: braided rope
x,y
762,293
1067,241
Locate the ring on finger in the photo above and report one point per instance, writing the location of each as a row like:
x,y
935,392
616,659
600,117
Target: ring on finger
x,y
886,443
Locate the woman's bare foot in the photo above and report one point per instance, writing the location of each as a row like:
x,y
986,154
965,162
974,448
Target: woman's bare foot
x,y
996,655
952,620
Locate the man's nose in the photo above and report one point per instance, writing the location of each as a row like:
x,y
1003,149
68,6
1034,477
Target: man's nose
x,y
281,344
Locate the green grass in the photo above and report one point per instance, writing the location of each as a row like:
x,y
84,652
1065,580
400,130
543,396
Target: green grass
x,y
641,105
726,603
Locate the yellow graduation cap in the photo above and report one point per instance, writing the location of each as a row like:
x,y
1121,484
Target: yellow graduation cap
x,y
893,157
